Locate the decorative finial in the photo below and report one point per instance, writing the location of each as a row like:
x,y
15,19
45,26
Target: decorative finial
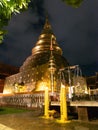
x,y
47,24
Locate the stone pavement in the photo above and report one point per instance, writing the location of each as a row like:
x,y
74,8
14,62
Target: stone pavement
x,y
3,127
32,121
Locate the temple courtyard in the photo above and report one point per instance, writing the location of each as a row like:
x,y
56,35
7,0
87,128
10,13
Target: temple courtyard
x,y
47,79
31,120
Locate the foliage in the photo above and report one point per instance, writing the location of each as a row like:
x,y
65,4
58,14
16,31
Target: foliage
x,y
7,8
73,3
9,110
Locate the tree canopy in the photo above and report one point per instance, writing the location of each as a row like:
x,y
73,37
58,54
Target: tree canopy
x,y
9,7
73,3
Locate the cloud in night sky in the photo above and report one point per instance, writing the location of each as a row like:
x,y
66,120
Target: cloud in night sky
x,y
76,30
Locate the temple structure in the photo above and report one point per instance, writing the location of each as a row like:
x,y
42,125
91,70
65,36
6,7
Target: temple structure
x,y
46,69
41,68
5,71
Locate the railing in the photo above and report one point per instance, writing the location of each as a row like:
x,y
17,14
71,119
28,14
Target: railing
x,y
85,97
37,100
22,100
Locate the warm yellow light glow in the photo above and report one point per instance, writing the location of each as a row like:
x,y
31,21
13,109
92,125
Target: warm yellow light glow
x,y
41,85
7,92
63,86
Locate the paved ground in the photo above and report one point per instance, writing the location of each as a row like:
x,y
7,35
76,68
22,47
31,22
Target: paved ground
x,y
3,127
32,121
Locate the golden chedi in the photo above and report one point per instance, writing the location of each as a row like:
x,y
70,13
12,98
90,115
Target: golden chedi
x,y
41,69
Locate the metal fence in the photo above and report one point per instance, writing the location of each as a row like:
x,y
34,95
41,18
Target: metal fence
x,y
22,100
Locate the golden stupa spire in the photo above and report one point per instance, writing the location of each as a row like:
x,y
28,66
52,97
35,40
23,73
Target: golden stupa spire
x,y
47,29
44,41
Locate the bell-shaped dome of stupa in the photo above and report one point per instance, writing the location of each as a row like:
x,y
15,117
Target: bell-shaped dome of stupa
x,y
45,62
41,51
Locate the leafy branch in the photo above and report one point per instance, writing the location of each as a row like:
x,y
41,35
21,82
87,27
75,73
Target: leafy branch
x,y
7,8
73,3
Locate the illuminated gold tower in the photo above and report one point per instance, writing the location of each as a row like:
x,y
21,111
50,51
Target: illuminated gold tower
x,y
35,73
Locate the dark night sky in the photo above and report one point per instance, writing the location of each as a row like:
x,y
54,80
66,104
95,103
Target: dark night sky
x,y
76,30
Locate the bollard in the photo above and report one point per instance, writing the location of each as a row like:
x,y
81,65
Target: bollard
x,y
46,103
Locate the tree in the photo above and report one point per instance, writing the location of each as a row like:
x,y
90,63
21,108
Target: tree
x,y
73,3
9,7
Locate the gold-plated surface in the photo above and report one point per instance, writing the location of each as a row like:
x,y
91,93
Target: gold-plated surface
x,y
35,74
44,41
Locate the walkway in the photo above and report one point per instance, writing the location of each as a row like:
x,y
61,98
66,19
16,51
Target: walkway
x,y
31,121
3,127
